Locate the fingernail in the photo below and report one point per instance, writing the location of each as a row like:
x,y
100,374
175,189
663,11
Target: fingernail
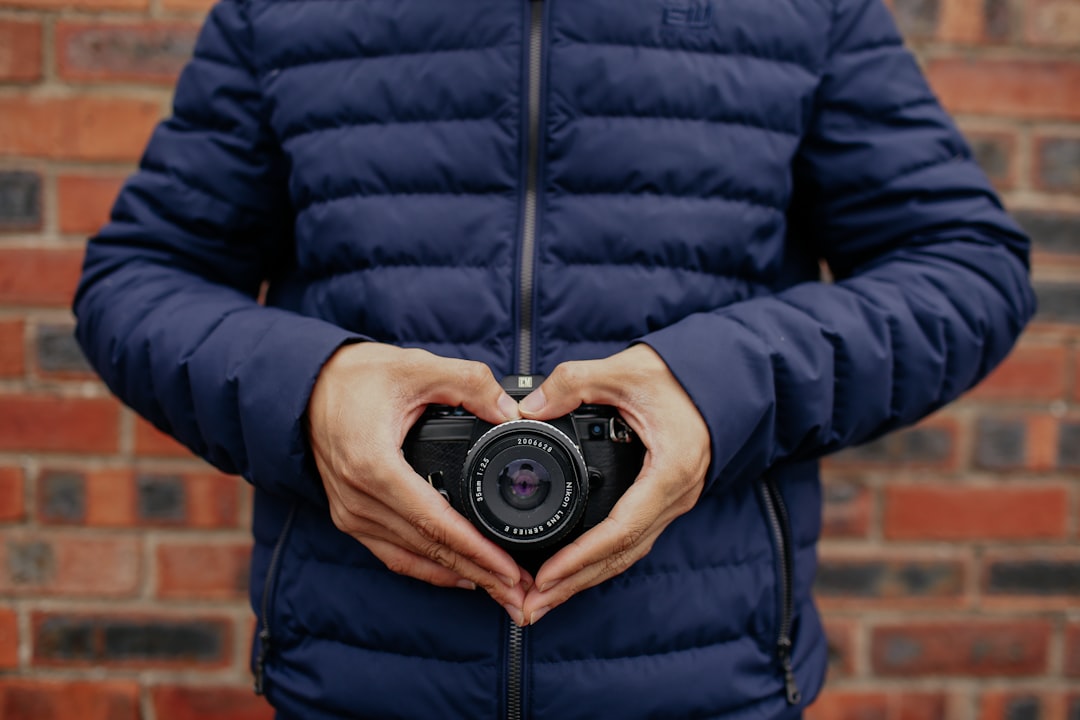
x,y
535,401
548,585
537,614
516,615
507,581
466,584
508,407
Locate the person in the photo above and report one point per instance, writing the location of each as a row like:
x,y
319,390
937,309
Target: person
x,y
360,209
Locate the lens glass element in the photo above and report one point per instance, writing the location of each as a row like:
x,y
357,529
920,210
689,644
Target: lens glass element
x,y
524,484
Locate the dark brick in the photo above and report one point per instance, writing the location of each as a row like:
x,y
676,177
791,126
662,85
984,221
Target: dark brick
x,y
1074,708
1069,446
888,579
1000,443
992,154
58,351
1034,577
100,639
124,51
20,200
63,496
924,444
917,18
1058,302
63,638
30,563
1059,164
876,451
1052,232
847,509
163,641
1024,707
999,19
161,498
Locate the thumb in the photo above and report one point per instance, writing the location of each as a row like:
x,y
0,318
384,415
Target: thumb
x,y
568,386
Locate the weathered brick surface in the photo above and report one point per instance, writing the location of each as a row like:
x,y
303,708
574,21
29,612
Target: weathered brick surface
x,y
20,200
62,639
208,703
46,564
153,52
20,50
12,353
949,569
961,512
961,648
85,201
31,699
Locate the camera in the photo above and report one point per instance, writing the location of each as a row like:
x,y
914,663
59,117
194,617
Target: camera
x,y
529,486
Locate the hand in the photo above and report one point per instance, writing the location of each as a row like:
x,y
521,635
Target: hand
x,y
365,400
654,404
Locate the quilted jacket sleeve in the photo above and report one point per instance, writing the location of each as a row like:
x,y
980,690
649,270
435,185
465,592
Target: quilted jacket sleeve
x,y
931,285
167,310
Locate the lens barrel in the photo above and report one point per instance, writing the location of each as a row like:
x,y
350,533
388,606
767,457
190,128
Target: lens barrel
x,y
524,484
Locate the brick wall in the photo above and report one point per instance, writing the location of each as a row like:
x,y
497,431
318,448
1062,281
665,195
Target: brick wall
x,y
950,573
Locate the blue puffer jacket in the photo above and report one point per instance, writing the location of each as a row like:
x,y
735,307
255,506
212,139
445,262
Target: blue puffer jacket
x,y
524,183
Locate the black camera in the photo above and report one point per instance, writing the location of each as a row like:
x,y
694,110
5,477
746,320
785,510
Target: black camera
x,y
529,486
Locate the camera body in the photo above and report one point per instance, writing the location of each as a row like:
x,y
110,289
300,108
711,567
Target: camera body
x,y
529,486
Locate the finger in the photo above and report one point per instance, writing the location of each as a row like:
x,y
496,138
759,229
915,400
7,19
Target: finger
x,y
646,506
404,562
537,603
569,385
469,384
380,521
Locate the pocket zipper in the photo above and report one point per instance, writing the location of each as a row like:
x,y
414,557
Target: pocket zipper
x,y
780,526
268,590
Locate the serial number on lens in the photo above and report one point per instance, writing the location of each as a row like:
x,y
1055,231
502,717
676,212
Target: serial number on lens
x,y
533,442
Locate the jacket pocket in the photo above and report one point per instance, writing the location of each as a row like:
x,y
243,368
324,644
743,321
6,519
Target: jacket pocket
x,y
776,515
265,611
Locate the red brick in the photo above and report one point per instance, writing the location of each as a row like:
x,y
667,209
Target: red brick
x,y
9,639
20,51
1008,88
1029,373
76,128
124,640
23,699
877,705
962,21
209,703
847,509
81,5
966,512
12,502
1072,650
841,638
1018,704
200,7
122,498
1053,22
961,648
40,422
69,564
85,201
39,277
151,442
152,52
12,352
203,571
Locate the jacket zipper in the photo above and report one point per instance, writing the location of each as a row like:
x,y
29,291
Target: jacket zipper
x,y
268,590
780,526
516,636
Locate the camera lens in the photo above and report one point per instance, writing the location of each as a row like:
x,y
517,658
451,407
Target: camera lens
x,y
524,484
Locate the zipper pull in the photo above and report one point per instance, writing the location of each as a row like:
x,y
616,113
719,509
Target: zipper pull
x,y
260,660
790,688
